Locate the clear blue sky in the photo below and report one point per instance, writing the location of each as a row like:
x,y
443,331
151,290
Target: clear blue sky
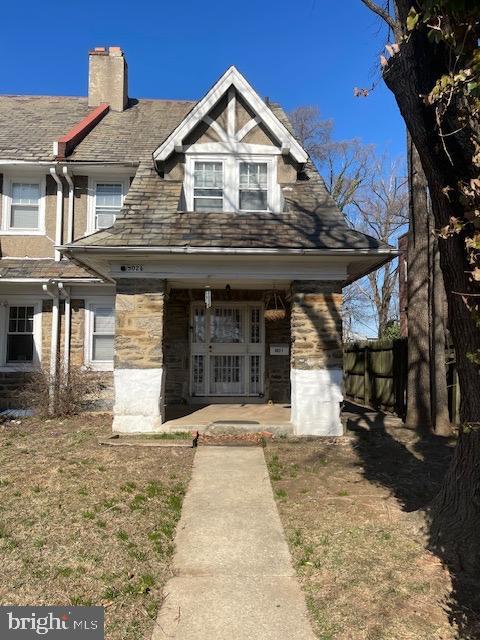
x,y
311,52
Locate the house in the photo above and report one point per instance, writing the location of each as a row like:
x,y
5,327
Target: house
x,y
190,248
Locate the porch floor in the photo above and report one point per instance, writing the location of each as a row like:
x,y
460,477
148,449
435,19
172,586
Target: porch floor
x,y
217,417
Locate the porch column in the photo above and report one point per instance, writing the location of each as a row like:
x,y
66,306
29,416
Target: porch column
x,y
139,375
316,358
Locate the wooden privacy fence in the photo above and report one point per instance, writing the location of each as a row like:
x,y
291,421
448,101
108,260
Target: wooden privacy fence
x,y
375,375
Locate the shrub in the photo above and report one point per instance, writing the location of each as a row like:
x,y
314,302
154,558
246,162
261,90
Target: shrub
x,y
67,394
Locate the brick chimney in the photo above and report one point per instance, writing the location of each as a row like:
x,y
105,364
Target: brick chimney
x,y
107,78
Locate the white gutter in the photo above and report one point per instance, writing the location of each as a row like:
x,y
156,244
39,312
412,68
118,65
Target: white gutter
x,y
226,250
71,200
53,377
59,213
46,280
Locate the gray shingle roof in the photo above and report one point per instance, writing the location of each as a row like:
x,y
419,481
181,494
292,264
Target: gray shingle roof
x,y
30,124
41,268
150,217
133,134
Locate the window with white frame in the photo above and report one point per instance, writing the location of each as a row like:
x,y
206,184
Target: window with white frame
x,y
108,202
100,329
253,187
23,206
20,334
21,330
208,186
232,183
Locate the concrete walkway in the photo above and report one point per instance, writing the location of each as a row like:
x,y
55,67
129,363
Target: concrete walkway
x,y
234,577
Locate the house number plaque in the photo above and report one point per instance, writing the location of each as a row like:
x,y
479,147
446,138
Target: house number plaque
x,y
279,350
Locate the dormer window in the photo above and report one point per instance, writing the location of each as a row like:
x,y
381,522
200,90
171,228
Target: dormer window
x,y
224,182
208,186
253,192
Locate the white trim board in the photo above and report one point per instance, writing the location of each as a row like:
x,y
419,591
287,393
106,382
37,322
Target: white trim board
x,y
231,78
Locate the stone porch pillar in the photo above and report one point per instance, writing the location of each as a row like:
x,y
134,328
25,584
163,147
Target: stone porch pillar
x,y
139,375
316,358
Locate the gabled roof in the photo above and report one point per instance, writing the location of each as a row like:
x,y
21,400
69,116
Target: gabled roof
x,y
231,78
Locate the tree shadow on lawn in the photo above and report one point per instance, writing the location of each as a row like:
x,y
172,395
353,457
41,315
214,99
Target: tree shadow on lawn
x,y
413,468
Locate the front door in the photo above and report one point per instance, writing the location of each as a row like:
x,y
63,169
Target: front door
x,y
227,349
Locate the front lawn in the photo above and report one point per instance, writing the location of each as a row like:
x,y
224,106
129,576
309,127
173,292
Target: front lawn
x,y
361,561
82,523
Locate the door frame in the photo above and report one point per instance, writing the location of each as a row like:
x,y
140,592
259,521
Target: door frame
x,y
244,349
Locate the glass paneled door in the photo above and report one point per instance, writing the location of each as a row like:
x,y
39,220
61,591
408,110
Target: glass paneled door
x,y
228,349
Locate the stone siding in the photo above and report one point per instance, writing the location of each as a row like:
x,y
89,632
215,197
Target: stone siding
x,y
316,325
139,312
177,347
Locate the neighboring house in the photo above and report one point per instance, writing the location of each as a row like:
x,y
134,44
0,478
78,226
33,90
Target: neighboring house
x,y
147,237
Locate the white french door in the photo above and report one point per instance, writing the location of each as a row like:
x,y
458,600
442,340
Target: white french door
x,y
227,349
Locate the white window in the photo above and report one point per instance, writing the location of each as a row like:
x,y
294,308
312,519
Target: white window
x,y
208,186
232,183
100,327
105,201
108,202
24,206
20,343
21,321
253,190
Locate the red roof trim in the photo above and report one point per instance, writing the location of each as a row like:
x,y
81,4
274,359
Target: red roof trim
x,y
67,143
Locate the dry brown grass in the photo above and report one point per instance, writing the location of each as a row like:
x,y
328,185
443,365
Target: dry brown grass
x,y
82,523
359,556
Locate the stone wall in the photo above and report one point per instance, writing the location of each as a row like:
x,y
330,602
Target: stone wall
x,y
316,359
139,375
139,318
177,347
316,325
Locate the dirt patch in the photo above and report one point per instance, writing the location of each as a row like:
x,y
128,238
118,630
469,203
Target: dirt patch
x,y
82,523
358,552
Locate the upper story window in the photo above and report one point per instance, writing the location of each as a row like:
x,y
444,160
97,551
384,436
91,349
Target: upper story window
x,y
232,183
105,200
208,186
253,192
108,202
24,206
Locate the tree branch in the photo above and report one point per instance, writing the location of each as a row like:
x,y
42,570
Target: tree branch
x,y
382,13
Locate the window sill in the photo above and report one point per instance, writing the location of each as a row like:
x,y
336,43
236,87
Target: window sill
x,y
22,232
6,368
99,366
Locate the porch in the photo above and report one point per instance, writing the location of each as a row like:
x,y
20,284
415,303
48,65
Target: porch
x,y
214,358
210,418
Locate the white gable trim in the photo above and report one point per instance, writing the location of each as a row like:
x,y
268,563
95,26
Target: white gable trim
x,y
231,77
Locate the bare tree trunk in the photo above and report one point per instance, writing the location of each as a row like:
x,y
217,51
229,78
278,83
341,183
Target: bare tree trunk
x,y
441,419
418,384
411,73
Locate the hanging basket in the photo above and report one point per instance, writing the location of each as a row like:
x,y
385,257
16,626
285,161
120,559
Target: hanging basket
x,y
274,307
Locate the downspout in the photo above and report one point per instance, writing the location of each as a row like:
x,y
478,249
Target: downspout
x,y
59,213
65,291
53,377
69,180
